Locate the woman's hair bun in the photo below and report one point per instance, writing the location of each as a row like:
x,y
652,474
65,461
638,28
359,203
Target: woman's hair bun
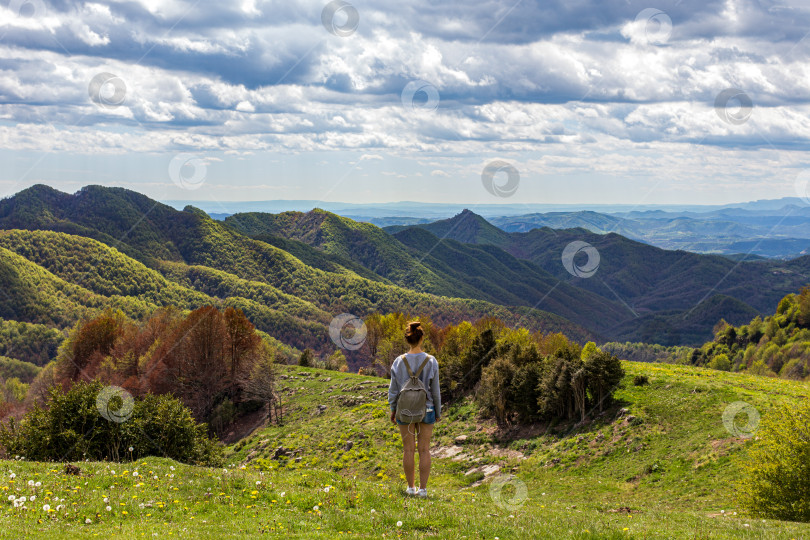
x,y
414,332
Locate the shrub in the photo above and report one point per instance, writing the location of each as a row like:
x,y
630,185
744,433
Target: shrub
x,y
494,393
776,483
720,362
306,359
640,380
336,361
71,427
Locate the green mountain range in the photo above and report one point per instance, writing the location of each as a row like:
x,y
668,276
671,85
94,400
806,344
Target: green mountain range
x,y
63,257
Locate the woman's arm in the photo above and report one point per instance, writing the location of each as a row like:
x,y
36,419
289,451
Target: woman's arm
x,y
393,388
435,392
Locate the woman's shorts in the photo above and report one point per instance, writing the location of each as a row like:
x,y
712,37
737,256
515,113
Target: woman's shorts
x,y
430,418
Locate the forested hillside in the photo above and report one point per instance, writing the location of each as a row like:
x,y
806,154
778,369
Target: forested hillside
x,y
674,296
418,260
64,257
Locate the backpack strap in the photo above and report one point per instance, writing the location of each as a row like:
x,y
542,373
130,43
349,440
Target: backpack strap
x,y
418,371
424,362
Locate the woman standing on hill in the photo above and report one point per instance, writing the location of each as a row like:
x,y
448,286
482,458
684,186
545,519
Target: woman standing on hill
x,y
419,435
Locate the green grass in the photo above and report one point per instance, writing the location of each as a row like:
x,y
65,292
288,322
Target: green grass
x,y
674,467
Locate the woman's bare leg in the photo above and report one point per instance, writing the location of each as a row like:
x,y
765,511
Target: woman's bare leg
x,y
425,432
409,445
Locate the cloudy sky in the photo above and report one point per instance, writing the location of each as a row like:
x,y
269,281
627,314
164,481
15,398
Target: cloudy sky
x,y
555,101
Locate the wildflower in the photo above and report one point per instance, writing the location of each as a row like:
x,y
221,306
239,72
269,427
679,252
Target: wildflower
x,y
258,482
12,476
399,524
88,520
131,449
11,497
135,473
326,489
171,467
109,508
282,493
373,511
33,498
113,472
106,499
31,483
46,508
60,507
315,507
22,499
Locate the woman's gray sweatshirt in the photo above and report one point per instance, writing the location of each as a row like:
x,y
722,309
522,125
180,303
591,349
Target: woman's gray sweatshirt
x,y
429,377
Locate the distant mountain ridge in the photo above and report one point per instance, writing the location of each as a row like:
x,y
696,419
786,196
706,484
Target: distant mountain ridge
x,y
441,210
667,290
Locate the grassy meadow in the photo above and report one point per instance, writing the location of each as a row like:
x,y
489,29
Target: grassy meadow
x,y
657,464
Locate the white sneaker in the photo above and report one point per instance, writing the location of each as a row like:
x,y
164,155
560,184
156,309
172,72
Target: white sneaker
x,y
422,492
410,491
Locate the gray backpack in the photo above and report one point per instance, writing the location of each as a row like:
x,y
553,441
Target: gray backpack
x,y
412,398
